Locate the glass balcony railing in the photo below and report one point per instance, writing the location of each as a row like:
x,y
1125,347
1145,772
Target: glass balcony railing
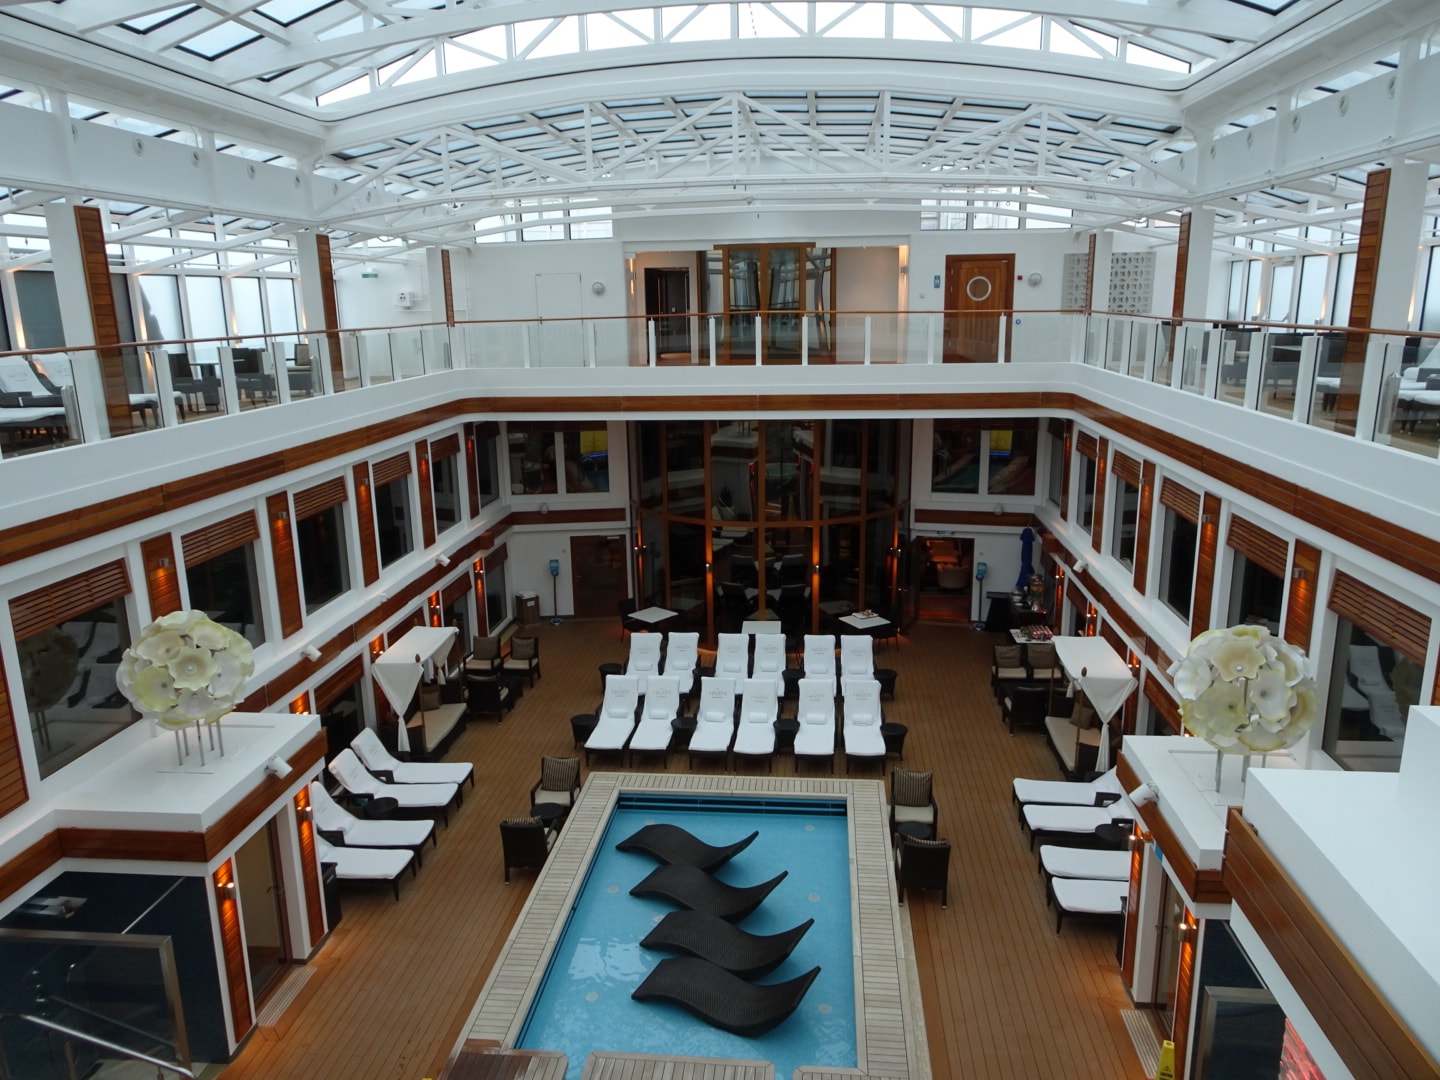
x,y
1377,386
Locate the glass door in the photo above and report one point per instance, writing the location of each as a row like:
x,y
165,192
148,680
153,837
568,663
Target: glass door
x,y
1167,957
262,907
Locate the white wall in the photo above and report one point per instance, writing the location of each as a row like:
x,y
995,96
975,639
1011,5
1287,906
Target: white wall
x,y
364,302
500,278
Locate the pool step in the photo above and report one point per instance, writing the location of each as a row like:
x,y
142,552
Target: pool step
x,y
479,1059
605,1065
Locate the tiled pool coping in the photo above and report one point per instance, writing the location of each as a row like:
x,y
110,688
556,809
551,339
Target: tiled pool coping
x,y
890,1026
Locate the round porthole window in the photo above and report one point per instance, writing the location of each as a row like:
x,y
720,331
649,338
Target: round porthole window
x,y
978,288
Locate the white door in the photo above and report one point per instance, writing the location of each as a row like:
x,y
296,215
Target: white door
x,y
558,344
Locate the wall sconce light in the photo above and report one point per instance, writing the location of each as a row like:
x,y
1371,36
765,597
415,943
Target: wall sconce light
x,y
1299,573
164,562
306,813
226,890
1207,519
817,568
310,652
376,648
479,567
999,510
283,516
707,566
442,559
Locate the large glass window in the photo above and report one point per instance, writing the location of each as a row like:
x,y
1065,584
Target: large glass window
x,y
587,460
324,565
1256,595
1312,289
1012,460
487,465
1055,479
445,480
1282,277
227,589
1344,289
532,463
1125,516
1177,563
393,519
249,316
1087,492
496,597
160,307
955,457
67,677
1371,690
342,720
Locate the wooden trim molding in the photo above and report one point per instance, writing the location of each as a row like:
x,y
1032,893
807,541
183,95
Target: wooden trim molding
x,y
162,579
579,516
1181,499
287,574
1300,597
930,516
427,492
1383,617
1201,886
1203,597
13,792
391,468
1165,706
1097,514
1143,521
232,948
322,496
1362,1026
365,523
448,446
309,868
1126,468
330,688
1087,444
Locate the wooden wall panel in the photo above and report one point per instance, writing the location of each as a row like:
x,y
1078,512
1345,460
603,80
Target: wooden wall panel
x,y
104,320
1182,264
336,684
312,500
162,578
1097,521
66,599
449,286
287,574
365,523
232,948
309,868
427,492
13,792
1365,1031
1184,989
454,590
1087,445
30,864
472,471
1201,886
204,544
1384,618
1362,299
1065,461
1204,596
1166,707
331,308
1132,905
1259,545
1090,275
1300,596
449,446
1142,525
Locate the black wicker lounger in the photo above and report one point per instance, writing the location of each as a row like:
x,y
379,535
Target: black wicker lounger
x,y
675,846
710,938
691,887
723,1000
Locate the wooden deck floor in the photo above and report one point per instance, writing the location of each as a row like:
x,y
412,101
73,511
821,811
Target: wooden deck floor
x,y
1004,996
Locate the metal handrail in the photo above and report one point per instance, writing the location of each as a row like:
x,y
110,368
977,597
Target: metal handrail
x,y
104,1044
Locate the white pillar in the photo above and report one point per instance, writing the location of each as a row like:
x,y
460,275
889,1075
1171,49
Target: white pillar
x,y
1198,263
1100,271
1395,275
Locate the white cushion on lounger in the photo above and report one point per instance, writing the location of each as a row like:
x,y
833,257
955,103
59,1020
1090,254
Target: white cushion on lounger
x,y
862,718
18,377
617,713
662,706
732,656
819,655
373,755
1069,862
1085,896
755,733
364,864
1074,819
715,717
1066,792
358,780
816,713
682,652
366,832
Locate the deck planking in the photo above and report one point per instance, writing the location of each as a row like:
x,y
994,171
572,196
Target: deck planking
x,y
1004,997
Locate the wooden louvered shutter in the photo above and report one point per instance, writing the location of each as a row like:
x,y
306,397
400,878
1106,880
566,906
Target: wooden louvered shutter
x,y
455,590
204,544
1181,499
320,497
327,691
390,468
1126,468
1259,545
1382,617
1086,444
449,446
64,600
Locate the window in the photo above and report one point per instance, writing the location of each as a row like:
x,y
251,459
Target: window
x,y
487,465
1012,460
1344,288
587,460
324,565
226,588
1372,687
495,596
67,677
1125,515
1087,492
341,720
445,481
1177,563
1055,482
1282,276
393,519
532,463
955,457
1312,289
1256,595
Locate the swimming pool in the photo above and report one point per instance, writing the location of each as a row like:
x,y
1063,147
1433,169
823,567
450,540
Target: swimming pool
x,y
584,1003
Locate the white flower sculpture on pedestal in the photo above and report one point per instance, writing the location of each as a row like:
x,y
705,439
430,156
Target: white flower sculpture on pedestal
x,y
1245,691
184,669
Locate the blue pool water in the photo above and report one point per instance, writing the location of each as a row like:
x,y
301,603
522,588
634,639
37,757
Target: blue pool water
x,y
584,1003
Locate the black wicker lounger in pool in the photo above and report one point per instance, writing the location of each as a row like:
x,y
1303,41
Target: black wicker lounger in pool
x,y
709,937
675,846
691,887
721,999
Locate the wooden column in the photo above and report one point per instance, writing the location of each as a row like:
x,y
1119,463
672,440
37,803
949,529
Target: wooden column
x,y
1182,267
105,322
1097,520
287,578
1142,524
1065,468
332,311
427,492
1090,276
232,944
449,287
365,522
162,578
1203,598
472,470
1300,599
309,870
13,792
1362,300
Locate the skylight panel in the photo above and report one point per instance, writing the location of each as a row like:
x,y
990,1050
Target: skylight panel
x,y
353,88
220,40
862,21
1018,30
560,39
398,74
708,22
1138,54
288,12
760,21
344,29
143,24
912,24
604,31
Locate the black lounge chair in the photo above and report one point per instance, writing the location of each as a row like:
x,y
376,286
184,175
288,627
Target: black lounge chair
x,y
691,887
739,952
723,1000
674,846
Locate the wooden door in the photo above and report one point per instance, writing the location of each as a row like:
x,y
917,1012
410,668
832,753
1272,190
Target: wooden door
x,y
598,575
978,290
667,300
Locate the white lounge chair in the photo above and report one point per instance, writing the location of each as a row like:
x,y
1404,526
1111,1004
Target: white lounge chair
x,y
1101,791
1074,862
732,657
715,718
358,780
656,729
615,720
682,654
644,659
330,817
366,864
820,656
1072,821
816,713
1084,896
769,660
755,733
861,729
373,755
857,655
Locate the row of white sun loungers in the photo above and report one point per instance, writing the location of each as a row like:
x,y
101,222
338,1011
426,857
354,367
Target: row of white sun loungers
x,y
1078,880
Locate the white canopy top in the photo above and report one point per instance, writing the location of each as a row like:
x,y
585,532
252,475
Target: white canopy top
x,y
399,667
1104,677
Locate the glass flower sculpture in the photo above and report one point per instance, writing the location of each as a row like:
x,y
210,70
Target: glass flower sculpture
x,y
1245,691
184,669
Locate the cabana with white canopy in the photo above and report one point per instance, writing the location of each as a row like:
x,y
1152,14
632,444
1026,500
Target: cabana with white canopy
x,y
398,668
1092,666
